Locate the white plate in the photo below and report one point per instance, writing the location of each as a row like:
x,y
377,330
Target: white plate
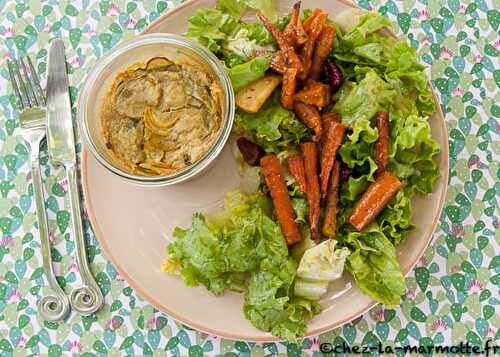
x,y
134,224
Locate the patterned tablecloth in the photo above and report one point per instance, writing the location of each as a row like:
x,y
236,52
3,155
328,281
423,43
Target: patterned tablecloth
x,y
453,293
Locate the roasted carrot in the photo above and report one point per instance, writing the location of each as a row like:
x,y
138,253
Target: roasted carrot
x,y
323,48
382,145
330,221
300,34
307,22
331,144
277,34
310,154
290,32
374,200
328,118
285,59
288,88
314,93
306,54
314,27
282,206
296,168
310,116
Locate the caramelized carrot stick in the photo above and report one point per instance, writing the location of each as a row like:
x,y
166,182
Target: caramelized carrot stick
x,y
310,116
277,34
330,221
300,33
306,54
314,93
296,168
331,144
310,154
288,87
323,48
327,119
307,22
284,59
283,207
314,27
382,145
374,199
290,32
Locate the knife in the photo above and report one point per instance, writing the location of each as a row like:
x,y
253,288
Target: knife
x,y
88,298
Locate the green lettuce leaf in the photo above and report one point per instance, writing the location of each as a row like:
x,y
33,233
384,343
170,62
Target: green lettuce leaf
x,y
269,304
243,249
368,24
393,59
243,74
395,219
237,8
358,104
352,189
412,151
211,27
374,266
230,39
273,127
268,7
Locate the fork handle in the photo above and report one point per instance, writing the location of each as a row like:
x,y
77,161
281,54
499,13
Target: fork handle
x,y
54,306
88,298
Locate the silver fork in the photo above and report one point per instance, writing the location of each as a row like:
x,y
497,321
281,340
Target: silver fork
x,y
30,101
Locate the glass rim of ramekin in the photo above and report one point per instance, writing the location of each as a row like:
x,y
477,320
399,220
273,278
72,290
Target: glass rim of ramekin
x,y
168,39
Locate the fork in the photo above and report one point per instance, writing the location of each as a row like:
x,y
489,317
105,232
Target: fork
x,y
30,101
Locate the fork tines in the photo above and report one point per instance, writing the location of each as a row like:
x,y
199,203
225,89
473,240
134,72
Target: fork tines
x,y
28,91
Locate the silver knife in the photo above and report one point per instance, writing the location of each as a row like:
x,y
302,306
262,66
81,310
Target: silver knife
x,y
88,298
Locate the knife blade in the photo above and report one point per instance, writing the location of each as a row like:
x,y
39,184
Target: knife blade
x,y
61,143
61,139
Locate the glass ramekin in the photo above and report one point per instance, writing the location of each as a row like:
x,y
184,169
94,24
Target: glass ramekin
x,y
140,49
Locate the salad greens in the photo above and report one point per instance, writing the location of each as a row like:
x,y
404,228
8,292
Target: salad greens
x,y
374,266
242,248
274,128
243,74
319,266
223,32
242,244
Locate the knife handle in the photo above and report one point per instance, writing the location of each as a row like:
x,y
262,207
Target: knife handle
x,y
54,306
88,298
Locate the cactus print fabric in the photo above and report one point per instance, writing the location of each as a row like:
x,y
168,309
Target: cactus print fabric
x,y
452,294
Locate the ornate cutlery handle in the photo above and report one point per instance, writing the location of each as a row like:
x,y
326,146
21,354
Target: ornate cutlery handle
x,y
88,298
54,306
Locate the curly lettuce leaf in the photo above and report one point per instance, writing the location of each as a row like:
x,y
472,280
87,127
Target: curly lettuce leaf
x,y
211,27
395,219
230,39
368,24
243,74
243,249
358,103
412,151
374,266
269,304
268,7
274,128
237,8
393,59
